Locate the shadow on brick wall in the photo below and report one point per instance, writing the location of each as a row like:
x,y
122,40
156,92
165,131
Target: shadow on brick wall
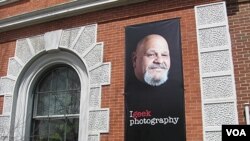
x,y
233,6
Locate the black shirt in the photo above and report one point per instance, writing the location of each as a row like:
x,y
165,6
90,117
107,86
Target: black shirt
x,y
155,113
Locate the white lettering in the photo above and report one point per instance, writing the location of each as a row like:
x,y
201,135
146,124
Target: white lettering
x,y
152,121
229,132
131,113
175,121
131,122
242,132
236,132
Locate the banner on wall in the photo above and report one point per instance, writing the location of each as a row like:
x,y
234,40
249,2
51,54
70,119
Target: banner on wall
x,y
154,91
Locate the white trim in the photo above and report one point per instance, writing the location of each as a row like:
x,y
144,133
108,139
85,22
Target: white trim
x,y
108,120
30,47
12,77
213,128
100,65
95,85
247,113
90,48
95,66
6,94
23,90
99,98
221,24
77,37
216,74
56,116
4,112
60,11
209,4
4,133
52,40
219,100
19,61
9,77
220,48
213,24
95,134
212,101
35,66
4,2
45,14
4,115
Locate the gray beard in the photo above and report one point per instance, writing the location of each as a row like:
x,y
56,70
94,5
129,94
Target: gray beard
x,y
148,78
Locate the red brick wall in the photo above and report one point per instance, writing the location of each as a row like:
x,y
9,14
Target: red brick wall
x,y
112,33
1,104
7,50
111,28
239,23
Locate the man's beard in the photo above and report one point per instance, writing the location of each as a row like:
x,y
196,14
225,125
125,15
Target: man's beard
x,y
149,78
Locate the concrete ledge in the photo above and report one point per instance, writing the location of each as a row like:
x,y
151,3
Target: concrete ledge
x,y
3,2
60,11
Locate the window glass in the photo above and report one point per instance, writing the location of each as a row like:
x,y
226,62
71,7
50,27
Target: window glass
x,y
45,85
56,106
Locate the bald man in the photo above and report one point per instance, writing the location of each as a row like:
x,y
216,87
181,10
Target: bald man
x,y
151,60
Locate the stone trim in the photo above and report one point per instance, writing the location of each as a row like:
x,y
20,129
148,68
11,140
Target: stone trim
x,y
76,47
218,92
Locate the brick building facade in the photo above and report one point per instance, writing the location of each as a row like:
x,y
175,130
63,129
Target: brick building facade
x,y
109,19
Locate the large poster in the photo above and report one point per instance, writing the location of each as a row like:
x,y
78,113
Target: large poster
x,y
154,91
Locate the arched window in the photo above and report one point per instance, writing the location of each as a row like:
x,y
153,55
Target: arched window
x,y
44,69
56,106
51,100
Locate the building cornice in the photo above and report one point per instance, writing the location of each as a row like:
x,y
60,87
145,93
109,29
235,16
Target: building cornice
x,y
59,12
4,2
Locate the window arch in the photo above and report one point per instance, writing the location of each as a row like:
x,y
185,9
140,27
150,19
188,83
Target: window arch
x,y
56,105
32,81
34,56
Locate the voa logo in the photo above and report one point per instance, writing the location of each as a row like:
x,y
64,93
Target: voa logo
x,y
236,132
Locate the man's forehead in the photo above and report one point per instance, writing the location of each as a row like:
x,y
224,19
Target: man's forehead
x,y
156,46
162,50
152,41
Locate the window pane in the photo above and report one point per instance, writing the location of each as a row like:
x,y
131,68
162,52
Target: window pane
x,y
72,129
45,84
56,101
59,81
57,104
57,130
73,80
43,104
73,101
40,130
63,103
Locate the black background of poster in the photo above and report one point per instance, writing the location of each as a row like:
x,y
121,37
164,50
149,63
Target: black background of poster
x,y
163,101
